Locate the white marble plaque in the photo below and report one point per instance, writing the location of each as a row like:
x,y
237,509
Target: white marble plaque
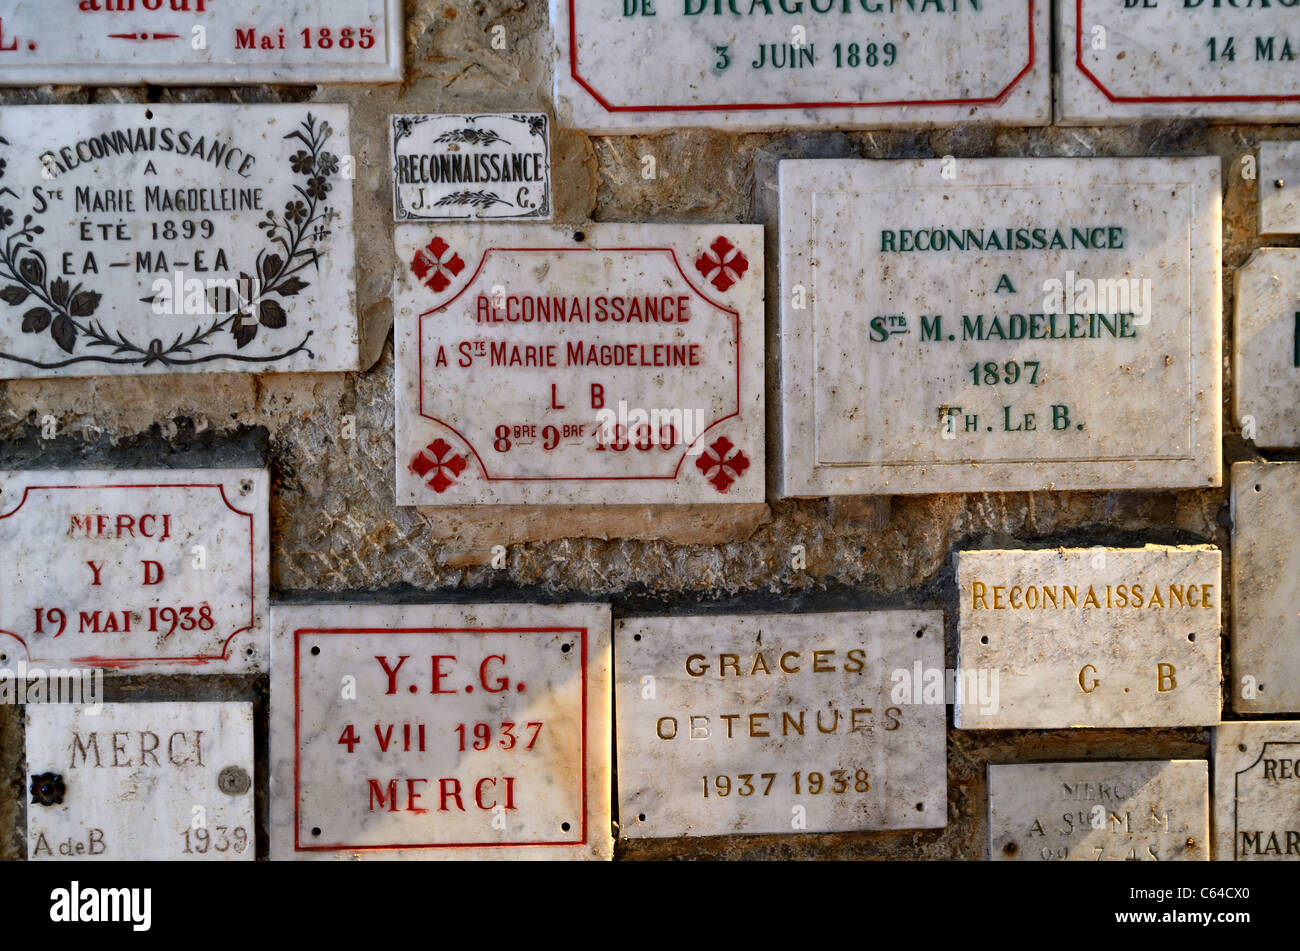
x,y
1279,186
1266,347
199,42
958,325
441,732
1266,581
1090,637
1147,59
769,723
613,364
174,238
1257,791
637,65
141,570
471,167
1095,811
127,781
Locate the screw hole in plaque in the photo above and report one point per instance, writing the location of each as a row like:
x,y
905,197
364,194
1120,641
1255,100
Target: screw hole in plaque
x,y
1257,488
920,807
636,637
1010,848
1191,637
315,830
249,652
641,817
565,827
921,633
315,650
148,113
565,648
245,486
1241,747
984,639
579,236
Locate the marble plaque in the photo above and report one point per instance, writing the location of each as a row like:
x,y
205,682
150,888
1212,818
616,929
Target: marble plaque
x,y
639,65
471,167
199,42
1279,186
441,732
1149,59
1090,637
768,723
1266,348
140,782
175,238
614,364
1266,579
969,325
1257,791
1095,811
154,571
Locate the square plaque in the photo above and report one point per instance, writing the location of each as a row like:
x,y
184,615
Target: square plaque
x,y
437,732
754,723
176,238
199,42
140,782
759,64
1257,791
1220,59
967,325
1134,811
1090,637
154,571
619,364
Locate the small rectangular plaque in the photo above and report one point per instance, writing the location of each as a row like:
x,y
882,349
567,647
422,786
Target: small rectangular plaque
x,y
966,325
176,238
617,364
199,42
454,731
1266,347
1257,791
773,723
756,64
471,167
1137,810
1091,637
126,782
135,570
1220,59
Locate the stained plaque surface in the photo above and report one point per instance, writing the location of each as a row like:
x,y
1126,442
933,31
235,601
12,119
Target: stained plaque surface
x,y
741,64
1266,347
1091,637
1257,791
1140,810
957,325
199,42
426,732
135,570
175,238
140,782
613,364
780,723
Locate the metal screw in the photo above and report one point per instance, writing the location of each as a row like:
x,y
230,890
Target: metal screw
x,y
234,781
246,486
1011,848
47,789
1191,843
1280,183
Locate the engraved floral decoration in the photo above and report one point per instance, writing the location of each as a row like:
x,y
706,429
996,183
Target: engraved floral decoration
x,y
437,458
720,465
47,789
722,263
433,262
67,310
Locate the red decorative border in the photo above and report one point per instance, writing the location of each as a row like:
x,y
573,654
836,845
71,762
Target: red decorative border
x,y
641,478
196,660
749,106
1078,60
297,734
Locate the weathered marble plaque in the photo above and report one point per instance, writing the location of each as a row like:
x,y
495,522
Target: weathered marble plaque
x,y
965,325
199,42
1091,637
754,64
471,167
438,732
1146,59
141,570
1279,186
615,364
173,238
1257,791
1096,811
767,723
1266,347
1266,578
140,782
